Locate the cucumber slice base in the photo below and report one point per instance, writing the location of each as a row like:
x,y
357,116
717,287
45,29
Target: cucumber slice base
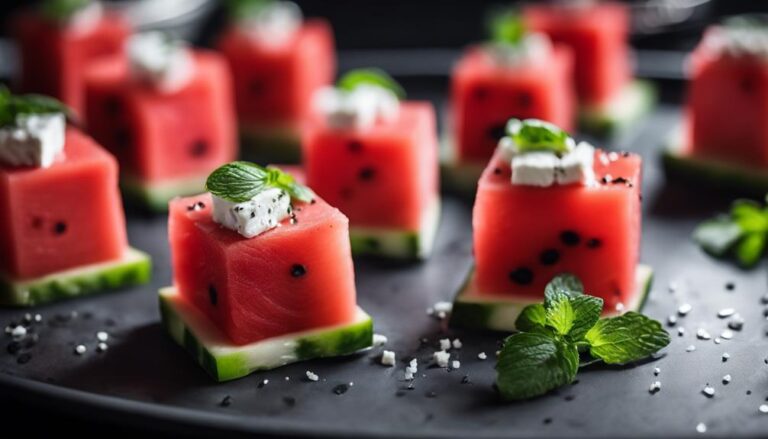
x,y
633,102
156,195
225,361
495,313
134,268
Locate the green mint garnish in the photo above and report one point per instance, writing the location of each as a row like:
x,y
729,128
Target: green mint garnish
x,y
12,106
62,10
245,9
239,182
536,135
372,77
545,354
740,234
507,28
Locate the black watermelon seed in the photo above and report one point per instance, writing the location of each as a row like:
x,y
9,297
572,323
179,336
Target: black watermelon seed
x,y
346,193
298,270
570,238
340,389
37,222
497,171
123,138
549,256
355,145
290,401
524,99
521,275
13,347
213,295
59,228
747,84
367,174
480,93
594,243
497,131
199,148
24,358
113,106
227,401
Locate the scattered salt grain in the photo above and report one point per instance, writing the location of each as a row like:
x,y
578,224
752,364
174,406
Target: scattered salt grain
x,y
441,358
763,408
701,427
655,387
708,391
684,309
681,331
725,312
727,334
445,344
18,332
672,320
457,343
736,323
101,347
443,307
80,349
455,364
672,287
388,358
702,334
379,340
690,348
656,371
726,356
718,340
312,376
726,378
102,336
482,356
38,318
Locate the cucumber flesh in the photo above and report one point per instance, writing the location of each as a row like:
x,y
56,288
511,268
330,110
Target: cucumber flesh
x,y
134,268
224,360
496,313
634,101
156,195
270,144
398,244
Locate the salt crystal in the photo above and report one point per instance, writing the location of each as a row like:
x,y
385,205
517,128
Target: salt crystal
x,y
725,312
727,334
684,309
482,356
690,348
708,391
655,387
702,334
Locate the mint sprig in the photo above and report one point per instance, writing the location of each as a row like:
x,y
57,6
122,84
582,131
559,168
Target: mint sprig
x,y
245,9
12,106
372,77
532,135
740,234
507,28
62,10
545,354
240,181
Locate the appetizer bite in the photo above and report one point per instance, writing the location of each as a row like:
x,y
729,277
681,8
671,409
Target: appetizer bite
x,y
168,116
724,138
609,99
278,60
517,74
546,205
263,275
60,40
62,228
375,157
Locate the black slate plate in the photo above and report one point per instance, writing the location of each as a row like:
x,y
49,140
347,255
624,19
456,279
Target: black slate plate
x,y
146,380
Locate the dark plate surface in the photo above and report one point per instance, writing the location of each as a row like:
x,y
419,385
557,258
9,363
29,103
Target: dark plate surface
x,y
145,379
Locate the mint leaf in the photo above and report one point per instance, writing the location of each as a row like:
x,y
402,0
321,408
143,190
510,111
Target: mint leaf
x,y
537,135
373,77
244,9
533,318
565,283
586,311
62,10
749,216
626,338
507,28
718,235
568,310
560,314
742,234
750,249
532,364
12,106
240,181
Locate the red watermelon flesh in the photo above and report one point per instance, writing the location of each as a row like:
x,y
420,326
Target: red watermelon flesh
x,y
720,88
293,278
275,84
159,136
485,96
64,216
524,235
383,176
55,59
598,36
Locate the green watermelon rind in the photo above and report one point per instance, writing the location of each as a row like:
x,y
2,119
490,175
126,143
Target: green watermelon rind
x,y
496,313
635,101
270,144
225,361
155,196
456,177
135,268
679,165
395,243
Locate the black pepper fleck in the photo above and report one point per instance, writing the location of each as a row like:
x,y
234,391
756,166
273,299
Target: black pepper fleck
x,y
226,402
547,421
549,256
298,270
521,275
730,286
465,380
496,132
594,243
199,148
570,238
367,174
355,146
340,389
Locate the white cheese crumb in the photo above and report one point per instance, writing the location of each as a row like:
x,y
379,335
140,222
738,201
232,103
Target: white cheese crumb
x,y
102,347
656,371
717,340
80,349
690,348
684,309
708,391
726,356
18,332
655,387
160,61
725,312
672,320
379,340
361,108
251,218
413,366
681,331
726,378
388,358
264,382
38,318
763,408
274,23
445,344
701,427
727,334
408,375
702,334
457,343
102,336
482,356
312,376
34,140
441,358
443,306
287,378
455,364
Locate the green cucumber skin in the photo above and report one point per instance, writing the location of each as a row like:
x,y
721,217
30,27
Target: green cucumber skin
x,y
603,123
155,197
461,179
366,245
33,293
713,174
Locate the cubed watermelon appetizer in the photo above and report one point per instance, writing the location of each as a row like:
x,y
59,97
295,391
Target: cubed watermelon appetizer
x,y
62,227
375,158
263,276
169,129
545,206
597,32
58,44
729,71
278,60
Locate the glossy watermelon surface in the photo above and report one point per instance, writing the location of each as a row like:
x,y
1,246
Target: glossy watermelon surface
x,y
383,176
485,95
274,83
524,235
160,136
598,35
292,278
55,59
64,216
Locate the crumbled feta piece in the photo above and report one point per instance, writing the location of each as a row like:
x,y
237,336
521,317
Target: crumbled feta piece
x,y
18,332
543,169
726,378
672,320
725,312
655,387
684,309
86,18
34,140
763,408
379,340
701,427
274,23
360,108
577,165
445,344
388,358
412,367
80,349
408,375
690,348
533,48
681,331
441,358
251,218
312,376
737,41
726,356
457,343
482,356
455,364
443,307
736,323
702,334
656,371
157,59
102,347
102,336
727,334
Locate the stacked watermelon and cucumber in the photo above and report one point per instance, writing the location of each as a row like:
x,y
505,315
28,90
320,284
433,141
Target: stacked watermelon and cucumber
x,y
382,174
278,61
723,140
525,234
609,98
243,304
517,74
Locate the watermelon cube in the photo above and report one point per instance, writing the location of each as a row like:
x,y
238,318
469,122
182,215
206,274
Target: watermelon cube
x,y
167,143
55,59
384,178
274,84
62,228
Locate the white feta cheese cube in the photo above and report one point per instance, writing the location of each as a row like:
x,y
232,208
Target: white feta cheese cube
x,y
360,108
275,23
455,364
87,18
441,358
534,169
577,165
252,218
312,376
457,344
445,344
34,140
379,340
388,358
160,61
